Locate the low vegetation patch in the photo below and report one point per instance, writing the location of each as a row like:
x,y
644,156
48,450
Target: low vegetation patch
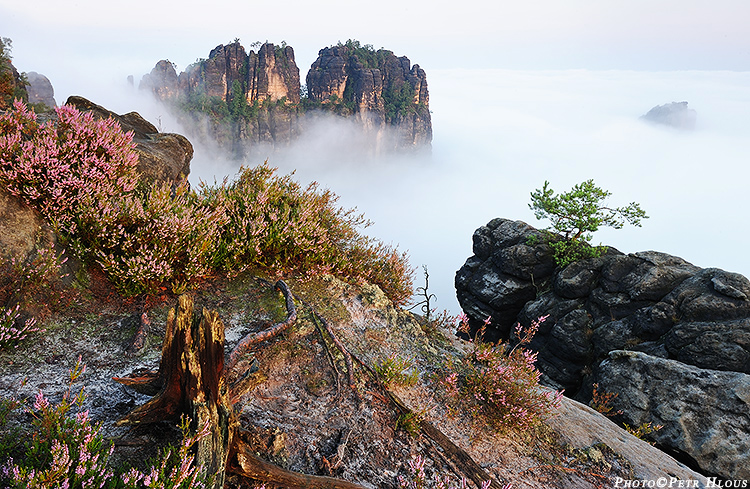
x,y
498,386
80,173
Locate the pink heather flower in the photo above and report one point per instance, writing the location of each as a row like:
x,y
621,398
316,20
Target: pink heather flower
x,y
40,402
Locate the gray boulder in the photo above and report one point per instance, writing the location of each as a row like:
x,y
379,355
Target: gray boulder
x,y
704,413
40,90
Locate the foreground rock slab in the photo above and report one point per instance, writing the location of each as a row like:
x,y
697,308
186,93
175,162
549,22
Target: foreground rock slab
x,y
680,398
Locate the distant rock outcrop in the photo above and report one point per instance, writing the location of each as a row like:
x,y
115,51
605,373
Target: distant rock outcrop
x,y
377,87
649,302
244,100
675,114
161,156
40,90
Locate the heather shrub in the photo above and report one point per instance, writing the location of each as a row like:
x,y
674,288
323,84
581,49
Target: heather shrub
x,y
80,174
498,385
275,223
145,240
35,282
54,167
13,328
66,450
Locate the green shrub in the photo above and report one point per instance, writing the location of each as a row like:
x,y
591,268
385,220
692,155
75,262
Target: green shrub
x,y
397,371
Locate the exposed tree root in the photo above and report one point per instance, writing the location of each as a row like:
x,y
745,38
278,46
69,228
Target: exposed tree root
x,y
244,462
245,343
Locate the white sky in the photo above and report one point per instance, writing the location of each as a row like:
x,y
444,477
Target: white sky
x,y
536,34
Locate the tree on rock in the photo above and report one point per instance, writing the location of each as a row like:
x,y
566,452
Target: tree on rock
x,y
578,213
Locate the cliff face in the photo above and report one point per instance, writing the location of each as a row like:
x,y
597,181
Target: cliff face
x,y
245,100
377,87
12,85
235,98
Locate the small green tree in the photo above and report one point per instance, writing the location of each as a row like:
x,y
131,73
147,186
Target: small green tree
x,y
578,213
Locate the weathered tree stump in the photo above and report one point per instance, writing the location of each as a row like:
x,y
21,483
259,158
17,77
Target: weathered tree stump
x,y
192,381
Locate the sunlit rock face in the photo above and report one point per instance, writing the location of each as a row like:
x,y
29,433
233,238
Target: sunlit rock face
x,y
270,73
162,81
378,88
675,114
688,323
249,102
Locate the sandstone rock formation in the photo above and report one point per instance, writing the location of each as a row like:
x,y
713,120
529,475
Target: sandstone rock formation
x,y
649,302
377,87
12,85
585,429
233,97
161,156
22,229
675,114
249,101
679,397
40,90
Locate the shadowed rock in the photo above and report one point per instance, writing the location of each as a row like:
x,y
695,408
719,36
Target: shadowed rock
x,y
649,302
675,114
704,413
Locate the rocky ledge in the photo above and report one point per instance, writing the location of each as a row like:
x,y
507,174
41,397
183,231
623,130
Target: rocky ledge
x,y
672,340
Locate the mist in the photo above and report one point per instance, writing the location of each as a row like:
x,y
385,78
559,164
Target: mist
x,y
516,129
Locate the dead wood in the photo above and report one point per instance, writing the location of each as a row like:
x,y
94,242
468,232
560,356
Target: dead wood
x,y
139,339
252,339
243,461
191,374
192,381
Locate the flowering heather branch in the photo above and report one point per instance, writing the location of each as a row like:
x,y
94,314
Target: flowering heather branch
x,y
53,167
11,332
69,451
499,387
